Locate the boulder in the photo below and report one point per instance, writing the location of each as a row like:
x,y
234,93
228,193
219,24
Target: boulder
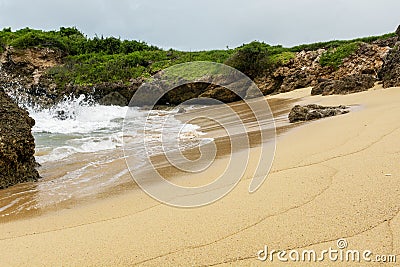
x,y
221,94
313,112
114,99
17,146
346,85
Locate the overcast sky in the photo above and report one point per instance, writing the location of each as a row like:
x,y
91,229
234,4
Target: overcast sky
x,y
208,24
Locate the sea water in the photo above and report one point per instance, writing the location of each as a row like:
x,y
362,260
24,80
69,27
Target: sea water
x,y
79,145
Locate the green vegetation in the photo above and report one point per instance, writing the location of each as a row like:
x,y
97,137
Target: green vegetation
x,y
94,60
337,43
95,68
334,57
251,59
71,41
282,58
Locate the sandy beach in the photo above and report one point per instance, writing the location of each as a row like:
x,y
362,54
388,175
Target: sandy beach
x,y
336,178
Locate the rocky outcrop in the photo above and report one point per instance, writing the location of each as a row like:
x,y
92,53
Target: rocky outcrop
x,y
30,63
305,70
387,42
390,72
313,112
17,147
302,71
347,85
21,72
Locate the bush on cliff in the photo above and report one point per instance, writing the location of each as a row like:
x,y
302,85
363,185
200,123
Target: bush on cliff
x,y
251,59
334,57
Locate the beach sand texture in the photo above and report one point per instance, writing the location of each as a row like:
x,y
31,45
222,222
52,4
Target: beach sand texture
x,y
329,180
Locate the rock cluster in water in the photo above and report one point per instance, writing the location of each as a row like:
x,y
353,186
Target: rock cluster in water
x,y
17,146
313,112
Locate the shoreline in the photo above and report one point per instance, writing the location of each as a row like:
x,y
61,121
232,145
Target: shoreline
x,y
330,185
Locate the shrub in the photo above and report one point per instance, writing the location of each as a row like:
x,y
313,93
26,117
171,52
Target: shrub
x,y
251,59
282,58
32,39
334,57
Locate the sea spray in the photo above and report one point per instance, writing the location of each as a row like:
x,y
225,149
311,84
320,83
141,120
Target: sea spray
x,y
79,146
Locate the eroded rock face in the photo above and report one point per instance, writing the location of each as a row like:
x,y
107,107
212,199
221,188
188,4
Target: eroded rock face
x,y
347,85
390,73
31,62
305,70
17,147
313,112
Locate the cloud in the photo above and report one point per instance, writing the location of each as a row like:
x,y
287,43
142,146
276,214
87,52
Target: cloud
x,y
208,24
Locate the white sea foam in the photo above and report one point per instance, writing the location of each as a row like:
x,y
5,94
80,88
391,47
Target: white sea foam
x,y
77,126
82,136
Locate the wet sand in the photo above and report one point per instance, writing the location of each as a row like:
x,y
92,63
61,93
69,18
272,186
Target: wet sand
x,y
333,178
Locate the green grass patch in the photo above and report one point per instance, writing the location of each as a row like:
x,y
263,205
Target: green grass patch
x,y
334,57
282,58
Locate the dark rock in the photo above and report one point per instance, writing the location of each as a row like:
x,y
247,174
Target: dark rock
x,y
313,112
231,90
181,110
17,147
346,85
398,31
387,42
297,80
390,72
221,94
183,92
114,99
62,115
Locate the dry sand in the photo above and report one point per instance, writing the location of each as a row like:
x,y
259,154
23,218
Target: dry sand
x,y
329,180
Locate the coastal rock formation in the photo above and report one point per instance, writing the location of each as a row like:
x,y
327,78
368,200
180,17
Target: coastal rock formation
x,y
17,147
312,112
21,72
346,85
305,70
390,72
31,62
221,94
300,72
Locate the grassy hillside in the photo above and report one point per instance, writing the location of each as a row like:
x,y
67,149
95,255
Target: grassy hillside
x,y
94,60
